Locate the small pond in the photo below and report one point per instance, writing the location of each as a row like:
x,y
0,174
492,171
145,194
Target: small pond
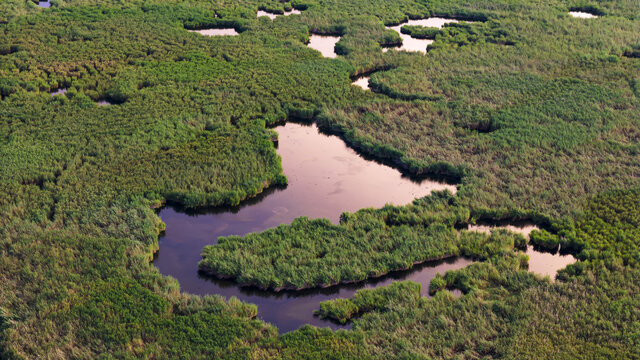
x,y
273,15
326,178
60,91
582,15
418,45
540,262
44,4
325,44
216,32
362,82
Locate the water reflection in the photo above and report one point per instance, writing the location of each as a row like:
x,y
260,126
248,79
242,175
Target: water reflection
x,y
581,14
44,4
543,262
216,32
325,179
363,82
419,45
274,15
325,44
289,310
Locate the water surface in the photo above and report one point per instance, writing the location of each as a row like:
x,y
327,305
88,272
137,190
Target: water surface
x,y
44,4
581,14
326,178
325,44
418,45
273,15
362,82
540,262
216,32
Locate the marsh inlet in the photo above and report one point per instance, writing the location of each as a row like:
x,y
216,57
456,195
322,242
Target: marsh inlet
x,y
216,32
363,82
419,45
274,15
582,14
540,262
325,44
326,178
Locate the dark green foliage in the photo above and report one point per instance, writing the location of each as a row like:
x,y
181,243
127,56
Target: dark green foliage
x,y
365,300
465,34
368,243
534,130
420,32
607,231
437,283
480,246
544,239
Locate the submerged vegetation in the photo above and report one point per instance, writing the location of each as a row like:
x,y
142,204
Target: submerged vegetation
x,y
532,112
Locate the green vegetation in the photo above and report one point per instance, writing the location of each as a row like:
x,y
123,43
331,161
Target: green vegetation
x,y
366,300
533,112
507,312
369,243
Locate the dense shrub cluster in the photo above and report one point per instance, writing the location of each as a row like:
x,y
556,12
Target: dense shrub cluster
x,y
368,243
536,128
365,300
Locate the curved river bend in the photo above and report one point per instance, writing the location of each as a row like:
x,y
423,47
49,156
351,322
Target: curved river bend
x,y
326,178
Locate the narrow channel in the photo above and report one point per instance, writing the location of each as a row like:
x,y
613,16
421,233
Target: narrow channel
x,y
326,178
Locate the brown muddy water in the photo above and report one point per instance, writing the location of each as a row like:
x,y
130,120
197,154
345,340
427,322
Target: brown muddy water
x,y
417,45
325,44
273,16
326,178
540,262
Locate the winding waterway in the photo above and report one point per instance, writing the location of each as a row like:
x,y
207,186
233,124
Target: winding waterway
x,y
419,45
274,15
326,178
